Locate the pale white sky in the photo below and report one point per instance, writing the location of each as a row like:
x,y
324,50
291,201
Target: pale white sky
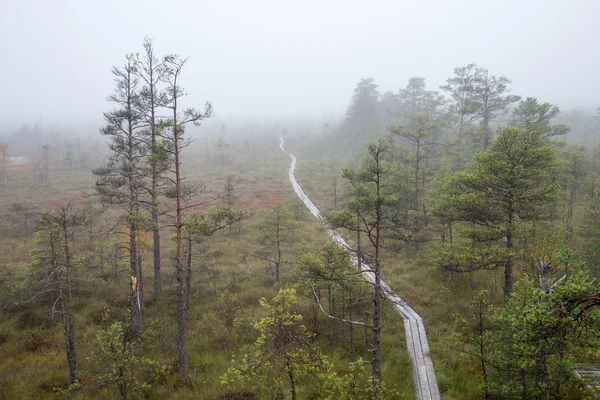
x,y
287,57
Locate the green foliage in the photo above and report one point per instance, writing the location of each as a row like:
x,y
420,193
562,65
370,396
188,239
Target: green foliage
x,y
472,335
371,200
528,346
276,224
282,354
117,360
508,184
331,264
441,194
350,385
275,232
531,113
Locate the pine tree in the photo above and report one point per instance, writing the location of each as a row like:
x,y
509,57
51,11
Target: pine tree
x,y
275,232
174,131
508,184
122,181
371,200
149,70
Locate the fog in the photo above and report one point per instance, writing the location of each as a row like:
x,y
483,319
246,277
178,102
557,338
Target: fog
x,y
278,58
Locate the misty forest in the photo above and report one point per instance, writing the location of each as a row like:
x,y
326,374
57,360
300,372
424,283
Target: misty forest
x,y
269,201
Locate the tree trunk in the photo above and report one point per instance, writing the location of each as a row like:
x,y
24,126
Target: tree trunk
x,y
542,367
68,317
156,246
486,131
351,326
443,233
69,342
417,165
482,350
188,276
140,275
290,369
376,361
181,345
508,268
315,319
358,248
134,296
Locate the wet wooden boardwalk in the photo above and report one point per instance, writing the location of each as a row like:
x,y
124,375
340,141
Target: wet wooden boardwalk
x,y
589,377
425,382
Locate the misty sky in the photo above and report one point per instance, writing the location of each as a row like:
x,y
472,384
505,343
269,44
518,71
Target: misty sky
x,y
291,57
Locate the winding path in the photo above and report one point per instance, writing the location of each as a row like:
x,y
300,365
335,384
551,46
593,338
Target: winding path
x,y
426,387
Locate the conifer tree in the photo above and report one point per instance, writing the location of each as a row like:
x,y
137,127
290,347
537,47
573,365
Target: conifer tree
x,y
508,184
122,182
174,131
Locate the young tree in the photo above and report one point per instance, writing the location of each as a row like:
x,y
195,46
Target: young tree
x,y
281,356
329,274
22,214
508,184
173,67
473,336
150,70
275,231
54,269
122,182
117,360
196,228
229,194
